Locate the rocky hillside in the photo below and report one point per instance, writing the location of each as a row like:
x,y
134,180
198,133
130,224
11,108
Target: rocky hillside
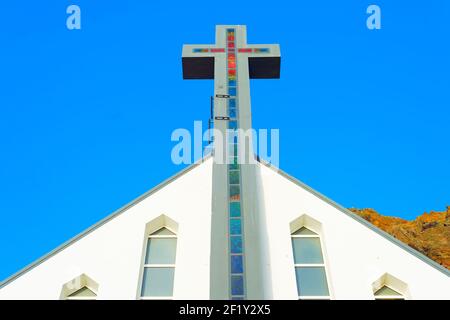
x,y
428,233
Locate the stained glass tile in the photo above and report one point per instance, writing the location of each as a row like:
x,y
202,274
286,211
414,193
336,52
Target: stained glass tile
x,y
235,226
232,103
232,91
234,191
234,177
235,198
236,244
232,113
235,209
232,83
232,124
261,50
232,72
237,264
237,285
199,50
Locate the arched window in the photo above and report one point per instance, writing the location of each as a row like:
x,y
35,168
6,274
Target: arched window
x,y
80,288
309,265
388,287
159,265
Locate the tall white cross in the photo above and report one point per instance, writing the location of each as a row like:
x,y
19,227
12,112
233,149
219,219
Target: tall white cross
x,y
231,54
235,230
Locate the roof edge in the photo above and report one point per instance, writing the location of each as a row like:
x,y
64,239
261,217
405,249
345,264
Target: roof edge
x,y
100,223
361,220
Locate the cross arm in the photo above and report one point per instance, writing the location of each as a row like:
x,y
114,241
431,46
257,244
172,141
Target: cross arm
x,y
198,61
263,60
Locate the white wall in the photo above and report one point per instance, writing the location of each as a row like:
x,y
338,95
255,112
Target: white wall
x,y
355,255
112,254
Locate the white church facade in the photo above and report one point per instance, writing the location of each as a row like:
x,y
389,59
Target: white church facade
x,y
231,230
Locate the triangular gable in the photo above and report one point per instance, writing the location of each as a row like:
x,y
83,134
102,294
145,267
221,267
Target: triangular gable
x,y
189,168
361,220
103,221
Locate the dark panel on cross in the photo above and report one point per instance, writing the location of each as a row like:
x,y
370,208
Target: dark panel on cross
x,y
203,67
198,68
264,67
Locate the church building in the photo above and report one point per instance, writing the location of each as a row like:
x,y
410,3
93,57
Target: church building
x,y
234,229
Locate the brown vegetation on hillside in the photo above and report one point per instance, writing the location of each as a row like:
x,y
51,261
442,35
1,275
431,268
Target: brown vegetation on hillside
x,y
428,233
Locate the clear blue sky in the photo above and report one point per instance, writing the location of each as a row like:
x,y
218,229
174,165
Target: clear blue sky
x,y
86,116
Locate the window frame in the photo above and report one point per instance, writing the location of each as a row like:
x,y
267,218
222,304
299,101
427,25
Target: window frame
x,y
158,265
311,265
398,296
82,298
